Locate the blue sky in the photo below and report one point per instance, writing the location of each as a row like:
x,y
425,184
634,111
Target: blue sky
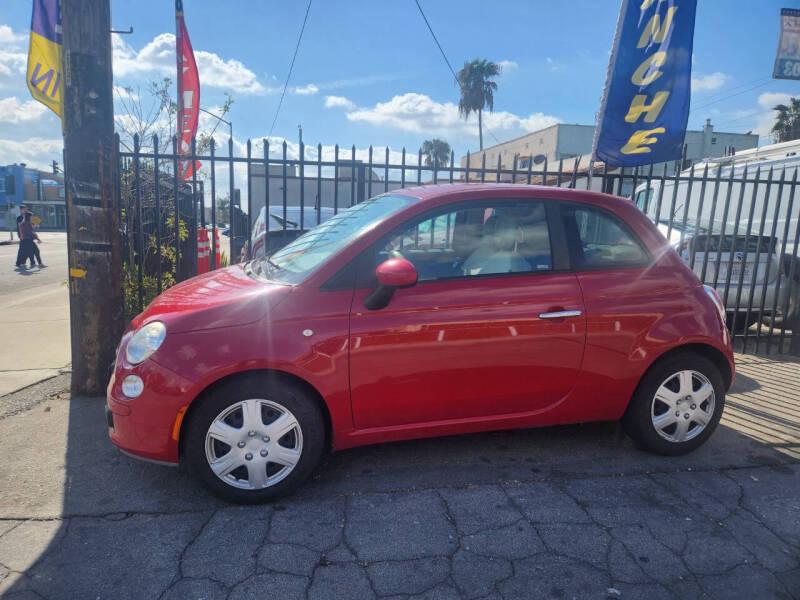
x,y
369,73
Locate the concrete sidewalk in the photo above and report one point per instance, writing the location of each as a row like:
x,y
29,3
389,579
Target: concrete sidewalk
x,y
561,512
34,316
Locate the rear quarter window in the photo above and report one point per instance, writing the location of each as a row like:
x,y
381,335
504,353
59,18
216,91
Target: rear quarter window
x,y
600,240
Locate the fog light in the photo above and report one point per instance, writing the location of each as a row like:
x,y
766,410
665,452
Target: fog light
x,y
132,386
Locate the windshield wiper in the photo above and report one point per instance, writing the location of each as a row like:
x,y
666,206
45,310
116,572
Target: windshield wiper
x,y
283,221
275,266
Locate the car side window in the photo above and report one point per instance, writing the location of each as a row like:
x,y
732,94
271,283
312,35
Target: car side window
x,y
481,239
601,240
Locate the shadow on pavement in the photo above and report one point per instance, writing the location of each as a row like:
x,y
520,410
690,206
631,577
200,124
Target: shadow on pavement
x,y
85,521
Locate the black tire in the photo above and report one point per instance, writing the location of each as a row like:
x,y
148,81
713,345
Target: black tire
x,y
282,394
638,418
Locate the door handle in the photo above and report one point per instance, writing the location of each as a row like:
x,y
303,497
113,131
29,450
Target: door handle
x,y
562,314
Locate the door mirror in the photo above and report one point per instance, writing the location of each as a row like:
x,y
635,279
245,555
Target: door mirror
x,y
396,273
392,274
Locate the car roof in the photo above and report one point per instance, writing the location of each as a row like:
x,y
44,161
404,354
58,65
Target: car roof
x,y
467,191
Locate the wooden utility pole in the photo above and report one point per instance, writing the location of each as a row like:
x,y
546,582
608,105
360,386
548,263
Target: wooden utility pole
x,y
91,171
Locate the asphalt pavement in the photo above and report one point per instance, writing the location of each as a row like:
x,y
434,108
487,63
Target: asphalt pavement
x,y
34,315
559,512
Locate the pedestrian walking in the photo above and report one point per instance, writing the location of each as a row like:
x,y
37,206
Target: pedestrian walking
x,y
28,239
23,210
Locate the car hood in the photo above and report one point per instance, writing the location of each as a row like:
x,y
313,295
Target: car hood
x,y
222,298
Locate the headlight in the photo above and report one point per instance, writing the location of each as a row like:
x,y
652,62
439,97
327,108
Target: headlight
x,y
145,341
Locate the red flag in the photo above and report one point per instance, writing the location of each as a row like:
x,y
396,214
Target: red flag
x,y
188,92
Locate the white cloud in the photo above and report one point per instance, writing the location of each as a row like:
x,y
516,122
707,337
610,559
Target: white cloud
x,y
35,152
158,55
306,90
9,38
338,102
704,83
765,118
12,68
551,64
419,113
14,111
771,99
508,66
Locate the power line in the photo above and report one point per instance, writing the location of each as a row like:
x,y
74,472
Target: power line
x,y
444,56
736,87
291,66
749,115
729,96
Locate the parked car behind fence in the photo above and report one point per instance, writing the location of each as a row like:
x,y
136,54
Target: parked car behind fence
x,y
735,223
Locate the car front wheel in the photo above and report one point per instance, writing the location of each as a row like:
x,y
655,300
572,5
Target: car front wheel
x,y
253,439
677,405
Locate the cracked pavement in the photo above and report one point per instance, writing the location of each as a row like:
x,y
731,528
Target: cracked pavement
x,y
563,512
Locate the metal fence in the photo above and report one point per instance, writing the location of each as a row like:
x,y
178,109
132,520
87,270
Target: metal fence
x,y
735,225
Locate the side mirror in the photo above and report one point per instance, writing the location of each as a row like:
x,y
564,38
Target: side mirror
x,y
392,274
396,273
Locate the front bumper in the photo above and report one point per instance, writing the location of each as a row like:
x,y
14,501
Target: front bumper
x,y
148,426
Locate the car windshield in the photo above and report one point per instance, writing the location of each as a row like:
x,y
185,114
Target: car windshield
x,y
297,260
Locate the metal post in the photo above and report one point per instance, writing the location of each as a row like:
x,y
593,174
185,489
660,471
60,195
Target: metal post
x,y
283,184
758,255
790,269
213,254
336,179
353,175
698,218
249,201
139,245
403,169
746,247
232,245
95,262
157,184
452,160
318,203
386,172
265,147
302,180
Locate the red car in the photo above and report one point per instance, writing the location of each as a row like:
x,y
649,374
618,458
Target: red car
x,y
424,312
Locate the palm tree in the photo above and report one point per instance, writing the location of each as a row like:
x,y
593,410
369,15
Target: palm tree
x,y
477,89
436,152
787,122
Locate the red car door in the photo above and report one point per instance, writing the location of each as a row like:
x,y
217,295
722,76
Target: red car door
x,y
501,333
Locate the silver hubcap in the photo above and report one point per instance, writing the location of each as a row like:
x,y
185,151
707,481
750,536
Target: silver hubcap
x,y
254,444
683,406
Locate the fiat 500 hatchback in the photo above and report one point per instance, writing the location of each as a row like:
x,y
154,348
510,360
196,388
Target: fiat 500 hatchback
x,y
424,312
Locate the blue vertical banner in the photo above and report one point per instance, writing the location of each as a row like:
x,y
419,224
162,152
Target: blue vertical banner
x,y
645,107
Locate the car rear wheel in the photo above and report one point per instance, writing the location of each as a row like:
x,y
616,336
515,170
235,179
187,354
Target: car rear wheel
x,y
254,439
677,405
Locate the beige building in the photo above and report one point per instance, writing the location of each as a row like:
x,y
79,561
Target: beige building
x,y
564,142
